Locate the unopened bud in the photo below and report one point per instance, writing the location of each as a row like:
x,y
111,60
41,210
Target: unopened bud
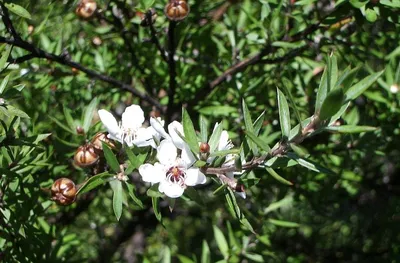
x,y
394,88
98,139
86,8
80,130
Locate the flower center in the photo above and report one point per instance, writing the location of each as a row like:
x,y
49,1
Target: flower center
x,y
129,134
176,175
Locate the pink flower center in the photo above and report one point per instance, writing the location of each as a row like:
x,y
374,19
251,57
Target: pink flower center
x,y
176,175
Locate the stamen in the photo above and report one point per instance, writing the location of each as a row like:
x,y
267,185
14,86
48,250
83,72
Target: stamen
x,y
176,175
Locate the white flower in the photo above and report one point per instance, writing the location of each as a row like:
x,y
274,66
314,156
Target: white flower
x,y
174,172
130,129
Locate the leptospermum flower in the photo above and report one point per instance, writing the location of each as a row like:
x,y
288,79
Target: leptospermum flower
x,y
174,170
130,129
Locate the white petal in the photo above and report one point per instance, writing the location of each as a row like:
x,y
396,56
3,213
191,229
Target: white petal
x,y
224,141
173,129
152,173
241,194
158,124
187,156
133,117
170,189
194,177
166,152
144,137
111,124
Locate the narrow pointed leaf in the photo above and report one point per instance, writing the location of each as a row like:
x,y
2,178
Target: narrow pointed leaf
x,y
116,186
283,223
3,84
332,104
215,136
322,90
111,158
277,177
88,114
221,241
131,192
94,181
189,131
350,129
284,115
18,10
203,129
362,86
258,141
249,127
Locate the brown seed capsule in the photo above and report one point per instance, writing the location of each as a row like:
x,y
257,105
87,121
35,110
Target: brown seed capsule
x,y
86,8
63,191
85,156
98,139
177,10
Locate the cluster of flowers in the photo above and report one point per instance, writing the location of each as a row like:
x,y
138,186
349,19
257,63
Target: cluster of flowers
x,y
174,169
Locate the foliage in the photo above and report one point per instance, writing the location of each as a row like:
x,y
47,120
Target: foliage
x,y
306,90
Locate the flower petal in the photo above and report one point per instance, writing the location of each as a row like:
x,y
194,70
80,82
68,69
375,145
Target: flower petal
x,y
144,137
194,177
152,173
170,189
166,153
111,125
158,124
173,129
133,117
187,156
224,142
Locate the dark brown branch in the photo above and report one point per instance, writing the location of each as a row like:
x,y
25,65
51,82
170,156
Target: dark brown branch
x,y
172,71
7,21
39,53
154,38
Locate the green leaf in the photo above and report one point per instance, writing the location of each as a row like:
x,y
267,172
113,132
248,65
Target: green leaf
x,y
189,131
88,114
362,86
333,72
277,177
18,10
111,158
153,191
63,126
286,85
131,192
184,259
4,57
322,90
332,104
205,253
215,136
258,141
232,204
225,152
135,160
3,84
350,129
116,186
156,207
16,112
258,123
249,127
284,115
69,119
310,164
283,223
203,129
347,78
94,182
221,241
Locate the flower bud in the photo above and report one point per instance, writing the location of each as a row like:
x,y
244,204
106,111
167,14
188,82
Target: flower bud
x,y
98,139
86,8
177,10
204,149
394,88
80,130
63,191
85,156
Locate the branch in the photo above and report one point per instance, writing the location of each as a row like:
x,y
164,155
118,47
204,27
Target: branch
x,y
154,38
172,70
7,21
39,53
282,148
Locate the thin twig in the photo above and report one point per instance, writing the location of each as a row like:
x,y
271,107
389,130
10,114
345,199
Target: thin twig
x,y
172,71
154,38
7,21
